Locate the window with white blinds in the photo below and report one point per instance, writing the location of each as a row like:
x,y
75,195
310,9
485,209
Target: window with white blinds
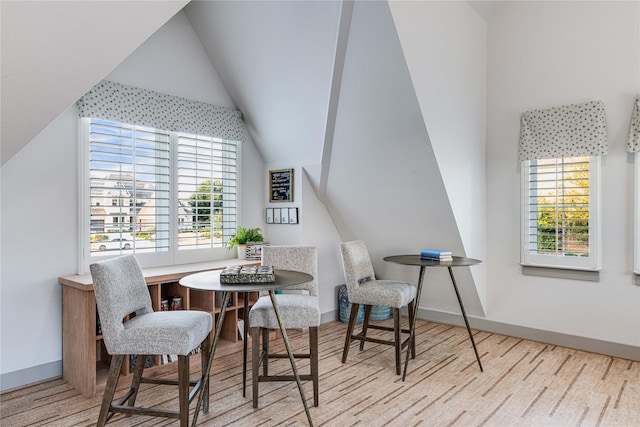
x,y
560,212
156,193
206,191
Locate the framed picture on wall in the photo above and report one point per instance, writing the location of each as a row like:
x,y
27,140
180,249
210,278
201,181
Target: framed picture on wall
x,y
293,215
269,215
284,216
281,185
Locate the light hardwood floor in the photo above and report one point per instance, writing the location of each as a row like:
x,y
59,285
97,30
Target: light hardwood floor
x,y
524,383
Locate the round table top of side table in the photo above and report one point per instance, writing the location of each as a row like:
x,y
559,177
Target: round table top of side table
x,y
457,261
210,281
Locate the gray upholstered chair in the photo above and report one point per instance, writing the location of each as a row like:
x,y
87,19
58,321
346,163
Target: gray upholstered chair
x,y
364,288
121,293
299,309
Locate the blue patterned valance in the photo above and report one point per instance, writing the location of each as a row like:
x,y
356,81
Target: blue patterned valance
x,y
127,104
571,130
633,145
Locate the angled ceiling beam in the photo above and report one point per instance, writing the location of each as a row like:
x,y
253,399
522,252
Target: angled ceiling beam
x,y
334,96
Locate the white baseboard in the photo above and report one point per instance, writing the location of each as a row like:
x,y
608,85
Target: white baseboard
x,y
31,375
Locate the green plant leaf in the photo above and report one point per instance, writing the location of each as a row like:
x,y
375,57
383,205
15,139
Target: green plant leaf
x,y
244,235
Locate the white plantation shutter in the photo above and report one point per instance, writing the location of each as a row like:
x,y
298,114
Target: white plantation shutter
x,y
207,191
129,182
558,218
560,212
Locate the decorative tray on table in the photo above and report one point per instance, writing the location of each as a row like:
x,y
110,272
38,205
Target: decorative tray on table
x,y
247,274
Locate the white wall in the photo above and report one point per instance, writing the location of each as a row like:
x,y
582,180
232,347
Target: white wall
x,y
385,184
39,247
39,240
445,46
546,54
315,227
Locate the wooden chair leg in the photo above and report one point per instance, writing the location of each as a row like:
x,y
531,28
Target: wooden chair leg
x,y
205,350
265,350
255,363
411,320
352,322
398,339
110,388
135,381
313,352
365,324
183,389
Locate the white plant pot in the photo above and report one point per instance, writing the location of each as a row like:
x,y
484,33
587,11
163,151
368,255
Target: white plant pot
x,y
242,251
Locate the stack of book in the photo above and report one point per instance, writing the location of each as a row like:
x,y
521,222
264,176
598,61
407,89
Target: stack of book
x,y
436,254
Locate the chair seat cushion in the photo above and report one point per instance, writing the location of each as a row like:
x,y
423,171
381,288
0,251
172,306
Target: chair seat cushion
x,y
162,332
387,293
297,311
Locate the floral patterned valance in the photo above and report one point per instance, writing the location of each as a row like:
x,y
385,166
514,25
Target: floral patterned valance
x,y
634,130
127,104
571,130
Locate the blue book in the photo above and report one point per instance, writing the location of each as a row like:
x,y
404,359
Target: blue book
x,y
436,254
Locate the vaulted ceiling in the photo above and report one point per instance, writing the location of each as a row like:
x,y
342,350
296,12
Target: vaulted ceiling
x,y
276,61
53,52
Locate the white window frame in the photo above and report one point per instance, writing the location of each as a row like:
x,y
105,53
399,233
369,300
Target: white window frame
x,y
156,259
636,258
591,262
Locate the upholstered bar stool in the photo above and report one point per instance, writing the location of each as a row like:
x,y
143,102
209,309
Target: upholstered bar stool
x,y
121,293
299,309
364,288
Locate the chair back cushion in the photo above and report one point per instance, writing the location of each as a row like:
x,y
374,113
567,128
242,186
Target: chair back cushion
x,y
298,258
120,289
356,263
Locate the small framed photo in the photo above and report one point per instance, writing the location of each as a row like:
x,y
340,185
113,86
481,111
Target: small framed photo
x,y
276,216
293,215
254,250
281,185
284,216
269,215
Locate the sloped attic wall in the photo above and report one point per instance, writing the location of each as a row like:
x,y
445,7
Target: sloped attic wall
x,y
384,185
445,45
54,51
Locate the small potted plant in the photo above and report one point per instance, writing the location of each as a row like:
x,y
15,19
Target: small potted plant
x,y
242,236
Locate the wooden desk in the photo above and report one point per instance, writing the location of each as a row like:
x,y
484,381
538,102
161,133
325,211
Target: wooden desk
x,y
84,358
423,264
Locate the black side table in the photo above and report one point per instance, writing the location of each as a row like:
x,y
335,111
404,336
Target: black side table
x,y
423,264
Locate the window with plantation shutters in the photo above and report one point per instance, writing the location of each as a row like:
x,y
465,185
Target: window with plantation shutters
x,y
560,212
560,151
206,191
160,176
167,197
129,183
